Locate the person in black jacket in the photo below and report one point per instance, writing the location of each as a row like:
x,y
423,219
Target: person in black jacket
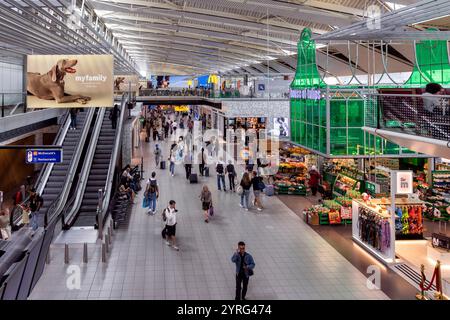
x,y
257,183
220,170
113,115
231,175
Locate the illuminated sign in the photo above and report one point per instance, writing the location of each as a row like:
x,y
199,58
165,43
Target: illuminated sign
x,y
312,94
44,156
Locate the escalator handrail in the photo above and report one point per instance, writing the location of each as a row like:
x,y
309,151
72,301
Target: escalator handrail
x,y
58,204
112,164
85,172
44,173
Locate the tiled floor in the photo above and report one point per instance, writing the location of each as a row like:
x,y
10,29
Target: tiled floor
x,y
292,261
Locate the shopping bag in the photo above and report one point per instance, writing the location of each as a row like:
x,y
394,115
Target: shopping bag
x,y
145,202
239,190
211,211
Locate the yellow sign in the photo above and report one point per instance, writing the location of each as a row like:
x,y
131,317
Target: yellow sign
x,y
182,108
213,79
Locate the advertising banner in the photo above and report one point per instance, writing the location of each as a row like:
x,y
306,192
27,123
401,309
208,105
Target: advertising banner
x,y
143,84
125,83
404,182
281,127
69,81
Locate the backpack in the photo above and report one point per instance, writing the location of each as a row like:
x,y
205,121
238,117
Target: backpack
x,y
164,216
219,168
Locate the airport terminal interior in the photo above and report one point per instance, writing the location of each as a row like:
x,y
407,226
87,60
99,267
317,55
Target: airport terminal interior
x,y
224,150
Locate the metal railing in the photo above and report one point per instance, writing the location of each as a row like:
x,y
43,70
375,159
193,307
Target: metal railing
x,y
45,171
12,103
77,197
109,185
421,115
217,94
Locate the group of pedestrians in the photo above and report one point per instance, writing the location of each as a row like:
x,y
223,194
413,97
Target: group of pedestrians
x,y
179,152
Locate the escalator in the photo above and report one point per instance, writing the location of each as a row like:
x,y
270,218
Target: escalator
x,y
55,179
59,172
99,169
98,174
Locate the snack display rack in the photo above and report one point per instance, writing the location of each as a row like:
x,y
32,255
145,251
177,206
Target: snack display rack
x,y
438,203
292,172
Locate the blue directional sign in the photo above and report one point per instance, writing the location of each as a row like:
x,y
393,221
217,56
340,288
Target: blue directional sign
x,y
44,156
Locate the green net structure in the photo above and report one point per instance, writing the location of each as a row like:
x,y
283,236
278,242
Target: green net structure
x,y
349,111
432,64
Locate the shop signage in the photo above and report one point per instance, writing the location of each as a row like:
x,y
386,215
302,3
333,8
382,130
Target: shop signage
x,y
371,188
312,94
44,156
182,109
404,182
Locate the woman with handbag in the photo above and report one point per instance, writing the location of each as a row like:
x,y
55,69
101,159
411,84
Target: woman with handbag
x,y
244,190
206,199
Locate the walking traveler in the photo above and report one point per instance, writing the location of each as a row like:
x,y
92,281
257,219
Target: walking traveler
x,y
172,161
152,193
231,175
188,164
244,270
157,154
314,179
170,218
113,115
73,118
258,187
220,170
201,161
245,195
206,199
35,203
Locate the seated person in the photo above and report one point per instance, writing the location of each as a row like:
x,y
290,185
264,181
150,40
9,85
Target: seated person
x,y
127,191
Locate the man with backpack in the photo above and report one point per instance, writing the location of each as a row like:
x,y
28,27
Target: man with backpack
x,y
152,193
170,218
220,170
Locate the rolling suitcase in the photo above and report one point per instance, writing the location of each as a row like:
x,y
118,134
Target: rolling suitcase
x,y
193,178
269,190
206,171
162,165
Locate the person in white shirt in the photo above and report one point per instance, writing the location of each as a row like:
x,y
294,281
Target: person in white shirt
x,y
171,222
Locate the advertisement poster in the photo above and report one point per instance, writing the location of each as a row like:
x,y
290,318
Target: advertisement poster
x,y
69,81
125,83
281,127
404,182
143,84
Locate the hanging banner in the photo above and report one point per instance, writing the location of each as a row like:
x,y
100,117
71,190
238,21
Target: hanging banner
x,y
404,182
125,83
69,81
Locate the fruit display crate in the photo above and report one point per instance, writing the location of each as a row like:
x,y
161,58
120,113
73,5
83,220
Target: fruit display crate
x,y
324,219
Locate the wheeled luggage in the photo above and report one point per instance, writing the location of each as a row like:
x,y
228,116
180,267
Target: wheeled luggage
x,y
193,178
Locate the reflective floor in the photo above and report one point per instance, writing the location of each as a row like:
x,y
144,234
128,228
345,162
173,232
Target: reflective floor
x,y
292,260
